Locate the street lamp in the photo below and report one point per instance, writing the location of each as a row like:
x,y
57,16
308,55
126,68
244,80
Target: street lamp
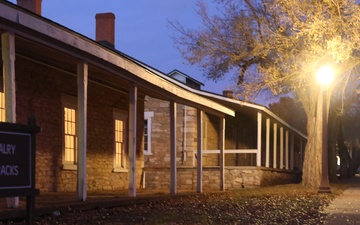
x,y
324,75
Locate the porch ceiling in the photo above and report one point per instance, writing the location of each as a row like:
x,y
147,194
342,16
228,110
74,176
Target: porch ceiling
x,y
65,63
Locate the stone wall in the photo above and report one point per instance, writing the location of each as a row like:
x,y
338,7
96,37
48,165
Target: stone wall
x,y
241,133
235,178
186,134
211,133
249,177
39,91
159,178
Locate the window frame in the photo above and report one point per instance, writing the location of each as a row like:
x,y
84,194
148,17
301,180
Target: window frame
x,y
123,116
148,117
69,102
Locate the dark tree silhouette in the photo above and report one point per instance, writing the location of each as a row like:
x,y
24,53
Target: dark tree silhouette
x,y
291,111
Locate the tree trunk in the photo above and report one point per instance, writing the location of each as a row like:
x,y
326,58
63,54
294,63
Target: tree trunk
x,y
312,160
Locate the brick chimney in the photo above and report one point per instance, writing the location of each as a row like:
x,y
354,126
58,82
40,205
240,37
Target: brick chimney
x,y
32,5
105,28
228,93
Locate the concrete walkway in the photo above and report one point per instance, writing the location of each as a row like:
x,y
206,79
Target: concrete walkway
x,y
345,209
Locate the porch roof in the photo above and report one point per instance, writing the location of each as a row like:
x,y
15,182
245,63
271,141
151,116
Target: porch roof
x,y
38,38
248,108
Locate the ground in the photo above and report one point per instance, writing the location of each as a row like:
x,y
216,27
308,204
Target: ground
x,y
284,204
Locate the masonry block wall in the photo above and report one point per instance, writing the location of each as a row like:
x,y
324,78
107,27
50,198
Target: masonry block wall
x,y
186,134
160,133
39,90
157,165
211,126
186,178
236,137
235,178
240,133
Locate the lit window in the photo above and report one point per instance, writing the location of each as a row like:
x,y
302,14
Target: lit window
x,y
2,107
70,145
147,132
119,144
120,121
70,153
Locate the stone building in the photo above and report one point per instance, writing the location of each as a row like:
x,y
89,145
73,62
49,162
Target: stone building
x,y
257,147
87,97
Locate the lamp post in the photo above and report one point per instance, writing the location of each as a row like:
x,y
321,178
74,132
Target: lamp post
x,y
324,76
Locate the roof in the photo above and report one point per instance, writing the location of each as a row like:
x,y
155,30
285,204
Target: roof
x,y
238,105
43,36
175,71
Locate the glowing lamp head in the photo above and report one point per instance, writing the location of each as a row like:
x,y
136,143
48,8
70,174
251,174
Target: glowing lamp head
x,y
325,75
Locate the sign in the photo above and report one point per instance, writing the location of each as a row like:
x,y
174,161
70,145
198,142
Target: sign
x,y
17,163
15,160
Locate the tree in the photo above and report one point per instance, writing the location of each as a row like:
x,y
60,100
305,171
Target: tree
x,y
349,138
291,111
344,113
277,45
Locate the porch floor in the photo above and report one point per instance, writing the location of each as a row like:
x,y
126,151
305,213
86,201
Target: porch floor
x,y
49,202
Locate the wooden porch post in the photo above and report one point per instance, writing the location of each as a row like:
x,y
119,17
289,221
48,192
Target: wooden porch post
x,y
222,154
287,149
281,148
8,61
82,83
172,147
275,146
132,139
301,155
267,156
8,58
259,120
199,150
292,141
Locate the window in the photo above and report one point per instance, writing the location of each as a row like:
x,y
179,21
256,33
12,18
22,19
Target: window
x,y
2,107
70,135
147,132
119,144
70,144
146,136
120,125
205,135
